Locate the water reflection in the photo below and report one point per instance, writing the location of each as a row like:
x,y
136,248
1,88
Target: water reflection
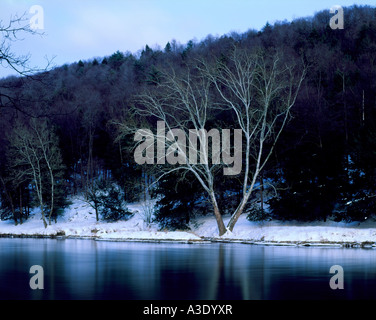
x,y
82,269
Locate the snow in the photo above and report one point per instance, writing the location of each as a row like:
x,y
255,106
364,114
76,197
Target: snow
x,y
314,233
79,221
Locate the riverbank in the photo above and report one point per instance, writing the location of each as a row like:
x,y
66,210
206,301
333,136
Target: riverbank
x,y
78,221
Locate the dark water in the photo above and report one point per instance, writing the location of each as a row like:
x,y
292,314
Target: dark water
x,y
84,269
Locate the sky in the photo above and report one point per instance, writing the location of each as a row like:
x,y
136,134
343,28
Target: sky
x,y
76,30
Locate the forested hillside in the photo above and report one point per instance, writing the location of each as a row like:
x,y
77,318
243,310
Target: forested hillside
x,y
67,131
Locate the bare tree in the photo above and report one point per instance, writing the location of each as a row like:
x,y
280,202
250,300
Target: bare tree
x,y
94,196
15,30
260,88
179,101
47,142
28,162
35,156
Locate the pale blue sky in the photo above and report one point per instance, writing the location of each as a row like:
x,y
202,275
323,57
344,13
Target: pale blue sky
x,y
83,29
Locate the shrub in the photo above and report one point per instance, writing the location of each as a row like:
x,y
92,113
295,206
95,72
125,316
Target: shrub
x,y
107,199
258,214
112,205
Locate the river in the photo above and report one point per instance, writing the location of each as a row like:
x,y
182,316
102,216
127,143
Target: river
x,y
90,270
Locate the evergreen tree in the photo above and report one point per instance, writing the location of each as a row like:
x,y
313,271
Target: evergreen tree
x,y
179,202
107,199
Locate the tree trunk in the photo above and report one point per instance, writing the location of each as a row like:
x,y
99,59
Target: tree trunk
x,y
239,211
13,212
90,164
21,206
236,215
27,209
144,182
52,207
43,217
96,213
262,193
221,226
41,204
12,208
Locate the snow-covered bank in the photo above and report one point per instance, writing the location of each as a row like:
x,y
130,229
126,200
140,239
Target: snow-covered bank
x,y
295,233
77,222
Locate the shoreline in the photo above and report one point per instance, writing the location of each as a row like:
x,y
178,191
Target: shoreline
x,y
202,240
79,222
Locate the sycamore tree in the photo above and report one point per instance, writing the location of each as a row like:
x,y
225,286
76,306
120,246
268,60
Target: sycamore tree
x,y
179,104
259,88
